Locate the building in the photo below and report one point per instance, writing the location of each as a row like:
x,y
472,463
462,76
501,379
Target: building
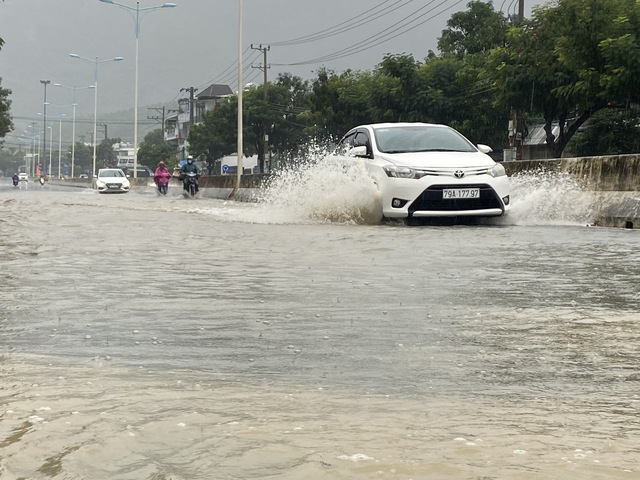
x,y
124,153
177,124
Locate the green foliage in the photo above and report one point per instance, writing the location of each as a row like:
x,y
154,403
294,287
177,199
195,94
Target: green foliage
x,y
570,60
153,149
477,30
10,160
609,132
83,159
105,155
278,113
6,124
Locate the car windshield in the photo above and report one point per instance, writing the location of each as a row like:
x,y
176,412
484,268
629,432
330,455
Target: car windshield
x,y
112,173
420,138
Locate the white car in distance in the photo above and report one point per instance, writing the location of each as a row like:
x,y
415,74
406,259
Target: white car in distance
x,y
111,180
425,170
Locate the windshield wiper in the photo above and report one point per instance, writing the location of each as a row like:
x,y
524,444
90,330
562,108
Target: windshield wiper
x,y
438,150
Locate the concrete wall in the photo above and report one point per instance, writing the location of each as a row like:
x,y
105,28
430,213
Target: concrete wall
x,y
620,173
616,179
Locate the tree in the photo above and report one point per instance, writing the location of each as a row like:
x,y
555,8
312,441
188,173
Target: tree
x,y
10,161
477,30
214,137
610,131
568,62
6,123
105,155
153,149
83,159
280,115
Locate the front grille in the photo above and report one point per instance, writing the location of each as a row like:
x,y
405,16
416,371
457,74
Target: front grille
x,y
431,199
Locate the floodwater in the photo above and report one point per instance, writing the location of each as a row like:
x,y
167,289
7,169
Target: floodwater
x,y
146,337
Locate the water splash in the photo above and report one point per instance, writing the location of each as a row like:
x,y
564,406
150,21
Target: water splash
x,y
322,188
325,188
546,197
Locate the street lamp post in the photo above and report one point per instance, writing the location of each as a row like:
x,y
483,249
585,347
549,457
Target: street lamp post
x,y
73,128
60,146
50,148
137,18
44,121
240,146
95,98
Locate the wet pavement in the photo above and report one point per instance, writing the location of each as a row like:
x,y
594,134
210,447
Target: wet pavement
x,y
164,338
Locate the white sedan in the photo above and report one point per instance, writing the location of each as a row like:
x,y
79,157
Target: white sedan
x,y
111,180
428,170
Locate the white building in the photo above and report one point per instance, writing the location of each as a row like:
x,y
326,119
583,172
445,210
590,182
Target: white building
x,y
124,153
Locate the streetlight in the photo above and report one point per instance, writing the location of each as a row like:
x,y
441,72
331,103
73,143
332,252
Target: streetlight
x,y
44,121
32,164
240,88
60,146
73,128
137,18
50,148
95,98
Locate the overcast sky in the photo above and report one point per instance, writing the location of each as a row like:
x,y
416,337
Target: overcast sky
x,y
195,44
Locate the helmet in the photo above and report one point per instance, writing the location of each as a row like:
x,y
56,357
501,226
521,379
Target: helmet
x,y
190,158
161,164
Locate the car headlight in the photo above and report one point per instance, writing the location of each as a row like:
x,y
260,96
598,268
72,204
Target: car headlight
x,y
100,184
401,172
497,171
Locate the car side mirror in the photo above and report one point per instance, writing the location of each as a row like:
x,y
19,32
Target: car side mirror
x,y
360,151
128,176
95,176
485,148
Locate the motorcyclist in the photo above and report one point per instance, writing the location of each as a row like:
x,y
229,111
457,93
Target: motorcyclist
x,y
161,177
16,179
189,167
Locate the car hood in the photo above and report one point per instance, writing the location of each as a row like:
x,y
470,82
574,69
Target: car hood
x,y
438,159
112,180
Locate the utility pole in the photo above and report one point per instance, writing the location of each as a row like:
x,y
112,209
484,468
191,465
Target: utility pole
x,y
516,121
44,121
264,137
105,130
192,91
161,118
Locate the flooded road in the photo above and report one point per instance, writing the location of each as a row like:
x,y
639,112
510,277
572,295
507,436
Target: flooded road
x,y
147,337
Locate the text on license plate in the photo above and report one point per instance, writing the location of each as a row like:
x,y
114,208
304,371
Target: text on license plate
x,y
454,193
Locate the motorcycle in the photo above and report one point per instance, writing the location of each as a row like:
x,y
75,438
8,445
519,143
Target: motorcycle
x,y
162,188
42,181
191,185
16,181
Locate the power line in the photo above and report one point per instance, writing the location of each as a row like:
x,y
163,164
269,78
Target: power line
x,y
385,35
349,26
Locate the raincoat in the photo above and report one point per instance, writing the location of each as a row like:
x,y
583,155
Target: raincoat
x,y
161,176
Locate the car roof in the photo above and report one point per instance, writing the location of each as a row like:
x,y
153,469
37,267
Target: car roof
x,y
403,124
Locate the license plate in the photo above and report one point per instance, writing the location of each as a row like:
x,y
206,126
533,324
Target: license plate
x,y
455,193
113,185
